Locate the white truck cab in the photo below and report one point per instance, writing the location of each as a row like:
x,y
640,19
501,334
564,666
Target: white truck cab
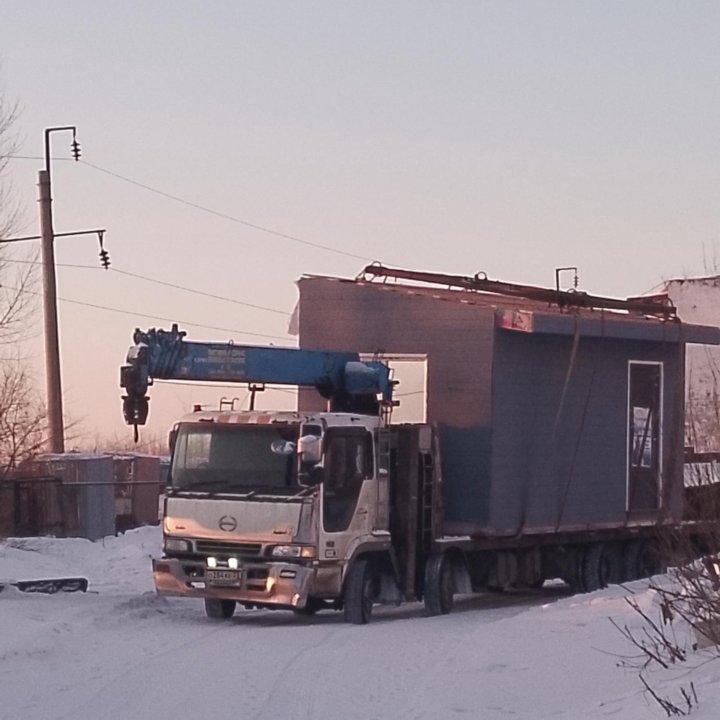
x,y
267,509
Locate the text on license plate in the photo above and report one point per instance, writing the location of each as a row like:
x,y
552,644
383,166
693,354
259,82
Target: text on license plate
x,y
223,577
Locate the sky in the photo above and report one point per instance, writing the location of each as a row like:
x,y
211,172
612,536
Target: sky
x,y
458,136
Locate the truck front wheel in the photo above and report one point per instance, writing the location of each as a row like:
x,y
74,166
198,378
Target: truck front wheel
x,y
219,609
439,585
359,594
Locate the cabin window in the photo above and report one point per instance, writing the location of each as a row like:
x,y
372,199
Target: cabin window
x,y
644,430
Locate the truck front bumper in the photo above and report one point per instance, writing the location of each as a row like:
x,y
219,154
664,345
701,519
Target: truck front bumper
x,y
277,584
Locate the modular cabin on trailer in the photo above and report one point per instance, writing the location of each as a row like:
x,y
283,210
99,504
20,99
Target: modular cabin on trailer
x,y
552,418
550,445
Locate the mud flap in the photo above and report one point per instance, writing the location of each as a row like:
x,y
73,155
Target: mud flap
x,y
48,586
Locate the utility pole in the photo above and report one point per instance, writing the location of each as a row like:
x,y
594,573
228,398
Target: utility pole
x,y
54,393
52,341
52,344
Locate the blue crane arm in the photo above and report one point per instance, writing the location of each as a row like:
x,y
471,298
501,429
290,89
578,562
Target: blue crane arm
x,y
349,384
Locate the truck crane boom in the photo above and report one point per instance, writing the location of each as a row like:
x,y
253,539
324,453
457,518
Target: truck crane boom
x,y
349,384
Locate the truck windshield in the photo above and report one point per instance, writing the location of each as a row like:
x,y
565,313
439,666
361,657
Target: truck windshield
x,y
235,458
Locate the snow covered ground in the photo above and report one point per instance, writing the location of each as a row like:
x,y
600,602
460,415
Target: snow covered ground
x,y
121,652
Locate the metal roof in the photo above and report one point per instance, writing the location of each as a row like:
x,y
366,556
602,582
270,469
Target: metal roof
x,y
606,325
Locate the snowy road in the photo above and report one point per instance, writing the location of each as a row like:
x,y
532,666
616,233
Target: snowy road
x,y
121,652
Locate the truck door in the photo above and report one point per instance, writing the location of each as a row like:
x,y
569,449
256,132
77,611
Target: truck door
x,y
347,497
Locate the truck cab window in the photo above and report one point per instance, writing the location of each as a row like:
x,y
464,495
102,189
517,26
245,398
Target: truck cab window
x,y
235,458
348,461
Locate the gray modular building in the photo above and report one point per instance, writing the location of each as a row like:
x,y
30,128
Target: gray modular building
x,y
87,492
550,420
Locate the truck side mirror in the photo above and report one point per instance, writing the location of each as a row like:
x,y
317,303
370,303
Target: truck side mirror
x,y
310,449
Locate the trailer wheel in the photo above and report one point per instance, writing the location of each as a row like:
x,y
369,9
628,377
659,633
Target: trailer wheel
x,y
359,593
439,585
640,560
597,567
219,609
573,573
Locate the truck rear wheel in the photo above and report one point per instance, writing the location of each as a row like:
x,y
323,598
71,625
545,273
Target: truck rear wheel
x,y
641,560
596,570
359,593
439,585
219,609
573,559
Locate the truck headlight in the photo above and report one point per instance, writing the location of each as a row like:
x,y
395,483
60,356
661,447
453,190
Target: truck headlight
x,y
177,545
293,551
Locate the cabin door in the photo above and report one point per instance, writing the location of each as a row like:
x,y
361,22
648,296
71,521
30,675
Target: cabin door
x,y
644,461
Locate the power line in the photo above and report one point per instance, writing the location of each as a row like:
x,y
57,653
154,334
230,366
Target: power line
x,y
205,209
151,317
37,157
6,241
198,292
65,265
159,282
223,215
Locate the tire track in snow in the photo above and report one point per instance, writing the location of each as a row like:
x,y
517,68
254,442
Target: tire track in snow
x,y
280,680
145,660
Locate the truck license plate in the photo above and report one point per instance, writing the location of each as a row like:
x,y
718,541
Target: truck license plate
x,y
228,578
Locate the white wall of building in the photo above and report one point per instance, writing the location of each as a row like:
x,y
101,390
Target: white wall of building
x,y
698,302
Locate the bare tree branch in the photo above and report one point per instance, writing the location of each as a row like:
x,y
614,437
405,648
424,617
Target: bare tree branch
x,y
9,210
22,418
22,415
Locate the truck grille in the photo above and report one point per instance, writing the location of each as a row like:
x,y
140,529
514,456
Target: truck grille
x,y
212,547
